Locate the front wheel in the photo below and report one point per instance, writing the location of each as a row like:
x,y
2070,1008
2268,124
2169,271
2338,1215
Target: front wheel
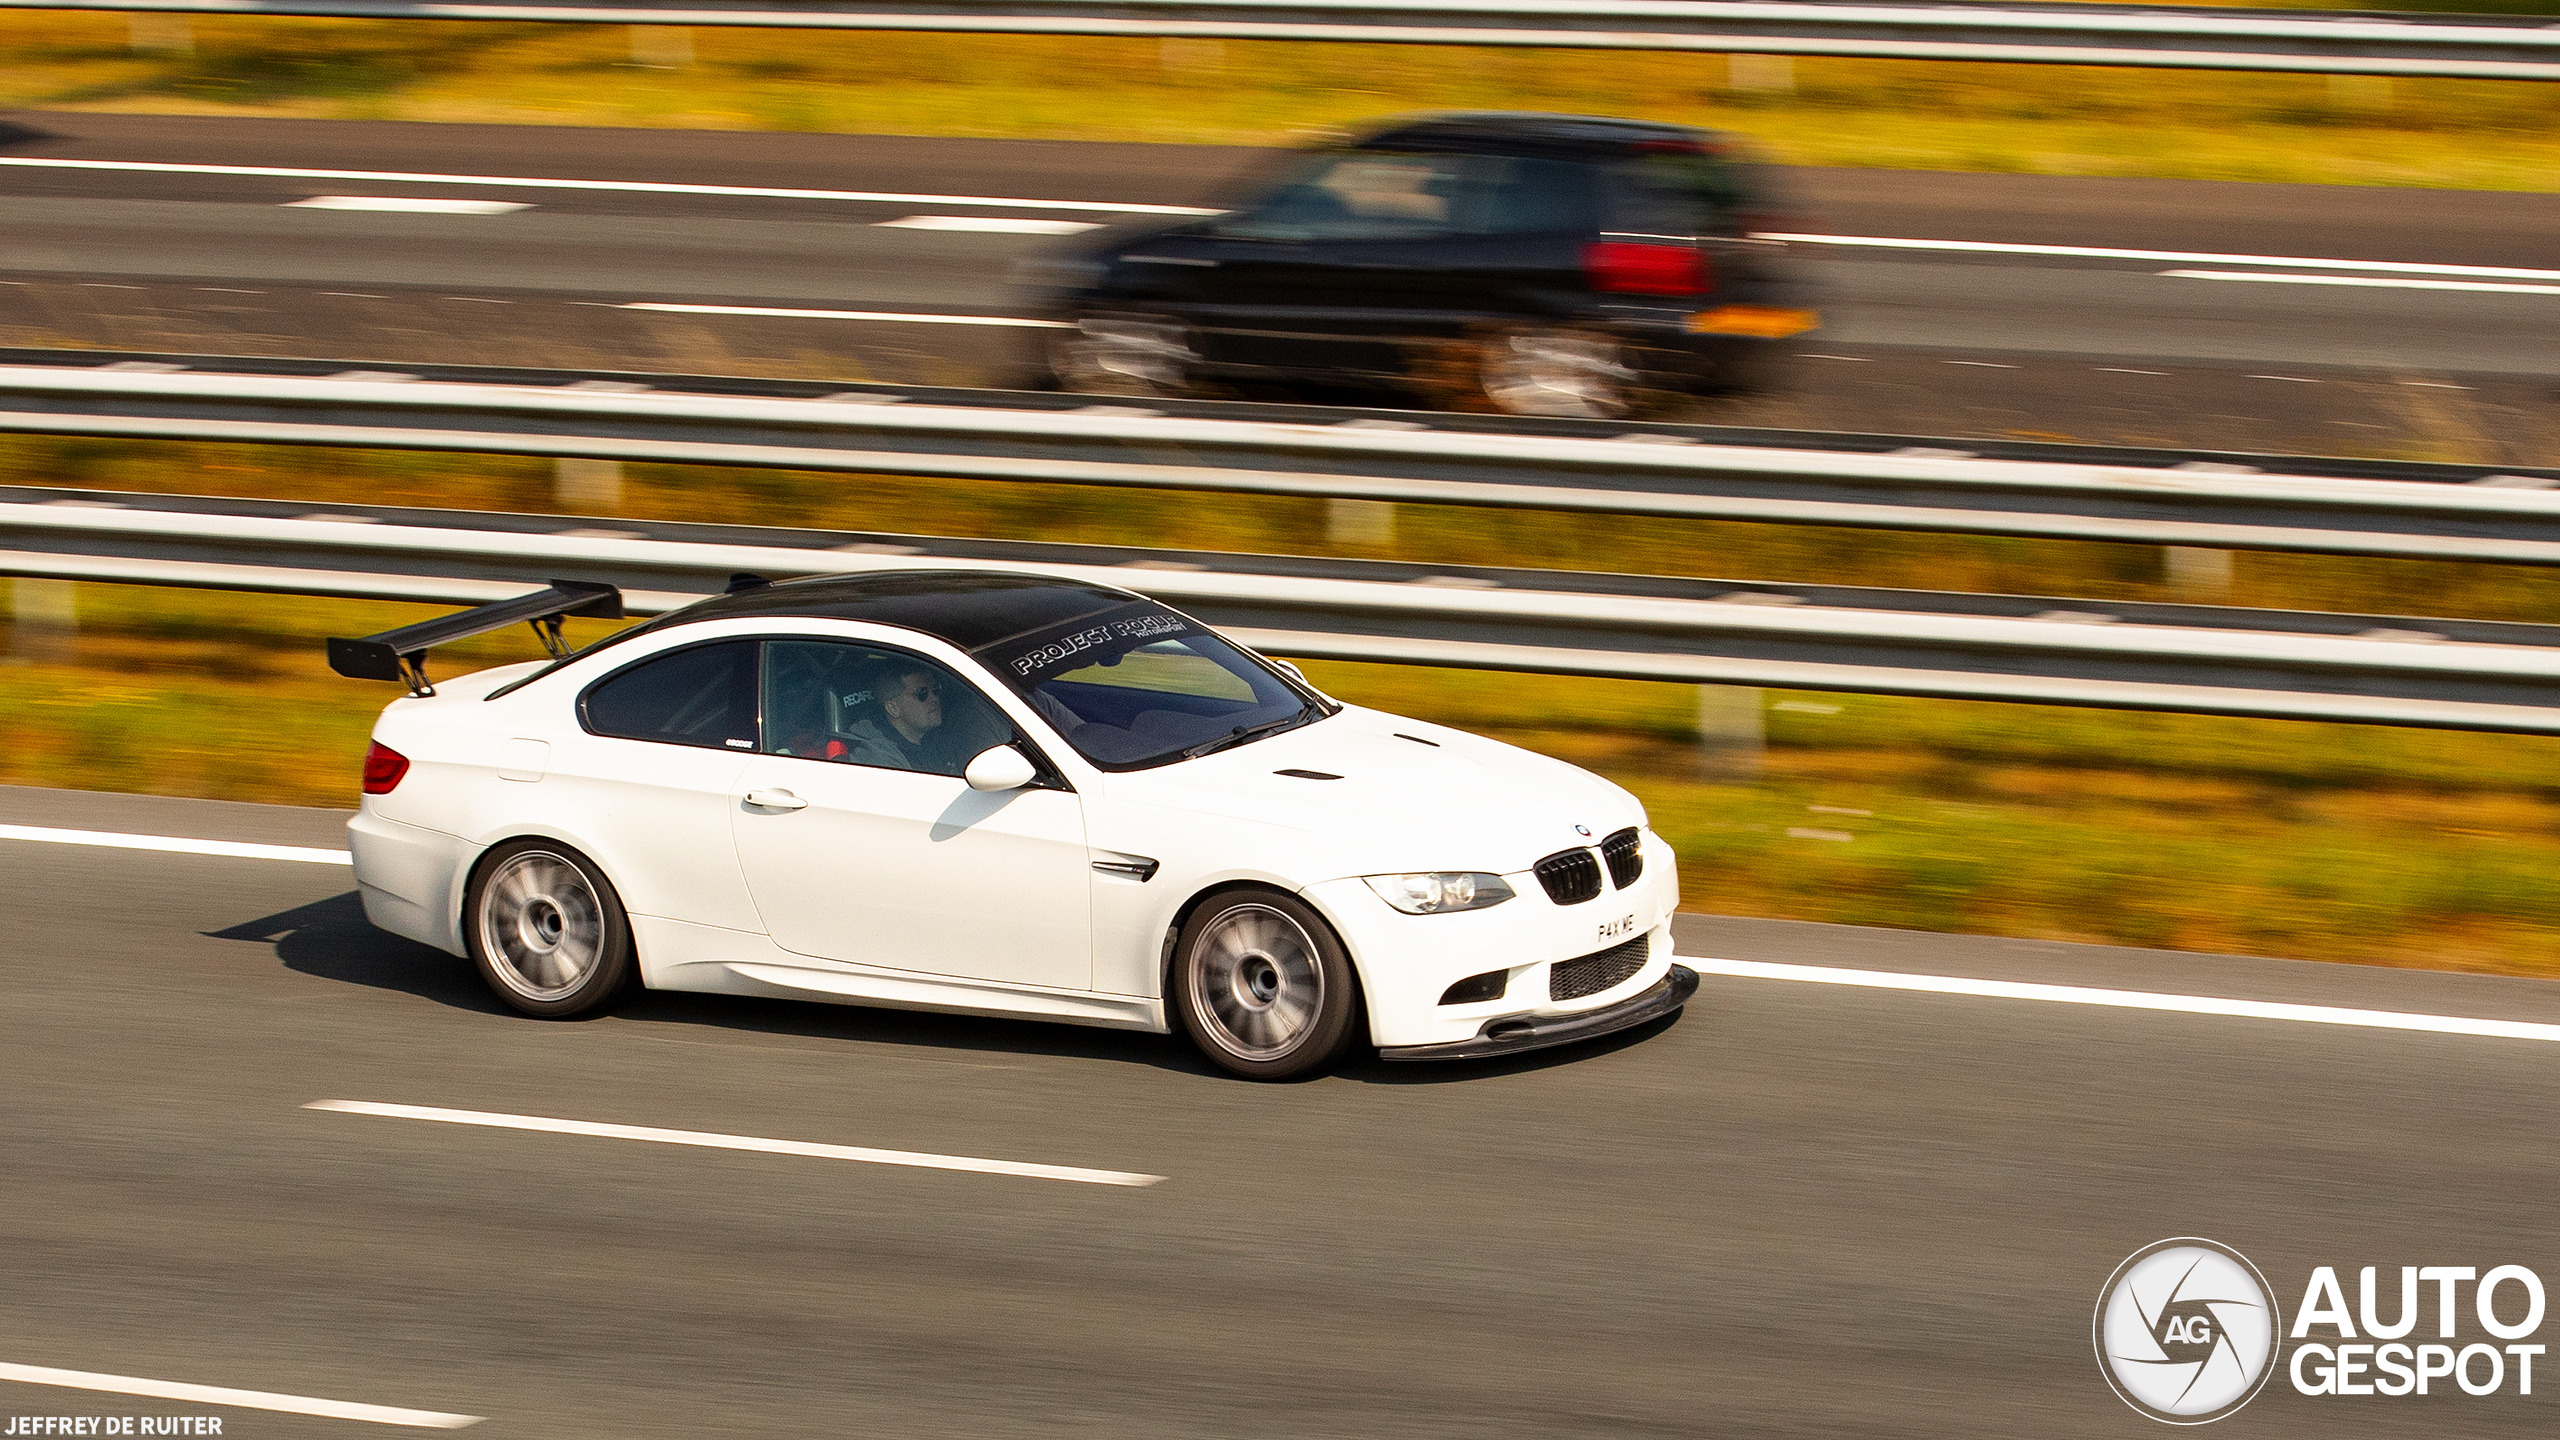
x,y
1263,986
1117,355
546,930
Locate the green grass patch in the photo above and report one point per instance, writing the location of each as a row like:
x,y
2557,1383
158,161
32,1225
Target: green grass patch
x,y
2496,135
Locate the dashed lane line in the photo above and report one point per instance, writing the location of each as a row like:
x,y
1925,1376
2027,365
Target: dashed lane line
x,y
641,187
713,1141
408,205
897,316
245,1399
2128,999
174,844
2098,252
990,224
2370,282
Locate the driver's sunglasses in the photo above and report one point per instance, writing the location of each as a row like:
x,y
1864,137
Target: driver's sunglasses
x,y
925,691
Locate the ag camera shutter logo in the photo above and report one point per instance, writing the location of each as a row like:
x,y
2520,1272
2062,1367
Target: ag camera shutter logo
x,y
2186,1331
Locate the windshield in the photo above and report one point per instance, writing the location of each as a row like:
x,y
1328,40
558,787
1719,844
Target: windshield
x,y
1139,686
1387,195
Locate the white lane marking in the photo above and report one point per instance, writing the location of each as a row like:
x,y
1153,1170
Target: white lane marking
x,y
2120,370
2129,999
2370,281
246,1399
175,844
641,187
2294,379
2097,252
990,224
713,1141
844,315
401,205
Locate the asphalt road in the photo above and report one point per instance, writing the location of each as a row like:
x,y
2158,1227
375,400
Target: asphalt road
x,y
1799,1210
1959,343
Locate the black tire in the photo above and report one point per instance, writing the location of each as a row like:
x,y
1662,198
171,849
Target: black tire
x,y
1263,986
1558,371
547,930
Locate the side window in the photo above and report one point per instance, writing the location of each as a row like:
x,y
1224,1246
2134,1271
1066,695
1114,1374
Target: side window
x,y
1378,195
704,696
1675,193
864,705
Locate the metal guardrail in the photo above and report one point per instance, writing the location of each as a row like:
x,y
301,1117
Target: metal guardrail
x,y
1690,472
2446,674
2179,37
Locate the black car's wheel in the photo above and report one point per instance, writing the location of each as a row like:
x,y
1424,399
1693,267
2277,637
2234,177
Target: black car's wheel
x,y
546,930
1108,355
1263,986
1568,373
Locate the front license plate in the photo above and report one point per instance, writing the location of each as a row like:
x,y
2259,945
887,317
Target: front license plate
x,y
1767,322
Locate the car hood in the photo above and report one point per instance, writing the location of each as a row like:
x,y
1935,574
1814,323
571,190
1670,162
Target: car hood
x,y
1410,796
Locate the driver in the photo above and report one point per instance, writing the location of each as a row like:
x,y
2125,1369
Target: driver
x,y
907,709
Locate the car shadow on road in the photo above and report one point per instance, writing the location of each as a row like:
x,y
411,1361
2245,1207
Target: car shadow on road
x,y
331,940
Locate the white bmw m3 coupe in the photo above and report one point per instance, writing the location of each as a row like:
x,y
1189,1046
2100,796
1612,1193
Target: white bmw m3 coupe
x,y
998,793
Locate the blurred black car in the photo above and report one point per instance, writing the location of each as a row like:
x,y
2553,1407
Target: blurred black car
x,y
1536,264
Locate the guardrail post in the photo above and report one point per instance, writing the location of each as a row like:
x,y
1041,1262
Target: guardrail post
x,y
2197,571
1732,732
44,618
1360,522
587,484
1176,56
162,35
662,47
1761,74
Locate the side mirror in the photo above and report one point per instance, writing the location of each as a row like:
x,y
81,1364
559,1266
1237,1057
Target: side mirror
x,y
1293,671
999,767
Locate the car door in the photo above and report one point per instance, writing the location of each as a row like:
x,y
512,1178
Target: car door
x,y
649,775
862,843
1370,249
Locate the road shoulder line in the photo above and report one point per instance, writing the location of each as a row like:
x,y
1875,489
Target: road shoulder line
x,y
2127,999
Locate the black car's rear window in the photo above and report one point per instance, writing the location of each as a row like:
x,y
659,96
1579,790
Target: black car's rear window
x,y
1398,195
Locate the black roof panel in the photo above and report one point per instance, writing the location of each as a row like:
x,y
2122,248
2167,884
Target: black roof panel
x,y
1524,132
969,608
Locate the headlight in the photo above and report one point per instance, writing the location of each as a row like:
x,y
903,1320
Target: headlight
x,y
1441,893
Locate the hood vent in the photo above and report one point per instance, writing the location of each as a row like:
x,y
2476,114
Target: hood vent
x,y
1306,774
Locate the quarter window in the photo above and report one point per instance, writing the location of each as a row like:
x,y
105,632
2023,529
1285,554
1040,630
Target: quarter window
x,y
704,695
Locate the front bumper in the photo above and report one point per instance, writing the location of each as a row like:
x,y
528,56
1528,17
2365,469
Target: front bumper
x,y
1516,1033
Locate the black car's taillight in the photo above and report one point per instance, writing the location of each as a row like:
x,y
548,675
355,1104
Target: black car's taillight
x,y
1628,267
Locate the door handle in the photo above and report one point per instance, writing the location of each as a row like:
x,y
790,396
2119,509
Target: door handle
x,y
776,800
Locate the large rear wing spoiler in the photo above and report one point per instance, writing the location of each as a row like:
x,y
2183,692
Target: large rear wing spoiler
x,y
402,654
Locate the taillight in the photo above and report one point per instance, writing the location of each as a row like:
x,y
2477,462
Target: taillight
x,y
1627,267
383,767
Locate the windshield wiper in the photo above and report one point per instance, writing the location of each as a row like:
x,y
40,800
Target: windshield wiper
x,y
1243,733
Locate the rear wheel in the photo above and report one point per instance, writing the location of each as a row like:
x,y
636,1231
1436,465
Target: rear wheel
x,y
1559,372
1263,986
547,931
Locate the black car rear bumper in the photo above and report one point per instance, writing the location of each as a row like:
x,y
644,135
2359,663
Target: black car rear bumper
x,y
1511,1035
